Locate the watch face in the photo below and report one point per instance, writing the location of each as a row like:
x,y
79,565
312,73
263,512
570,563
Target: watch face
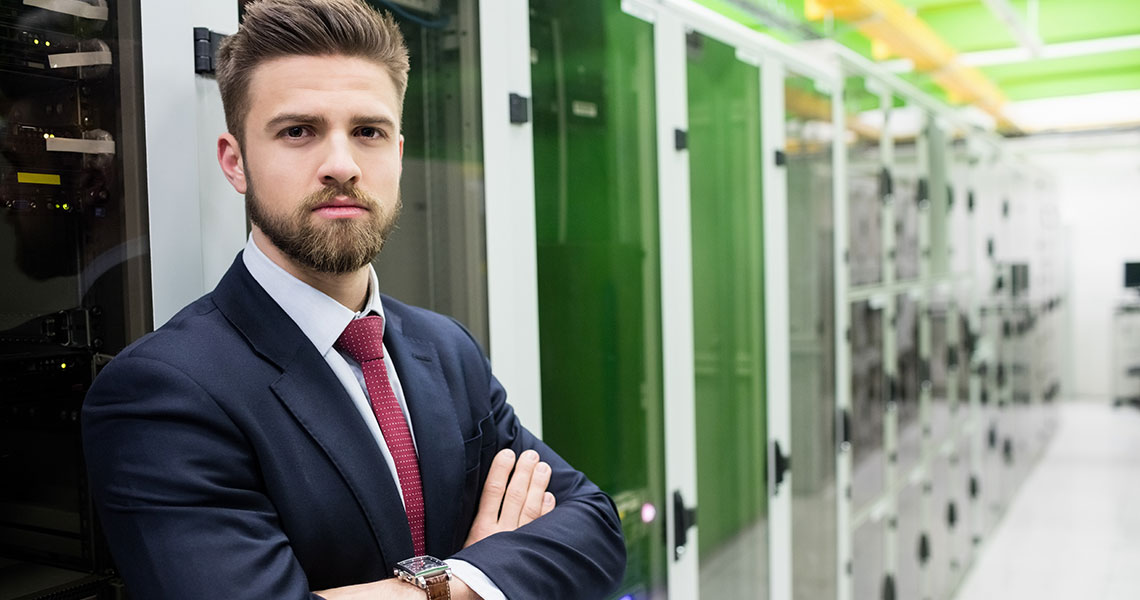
x,y
422,566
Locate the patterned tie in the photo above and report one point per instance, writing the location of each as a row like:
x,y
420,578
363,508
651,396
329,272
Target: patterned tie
x,y
363,340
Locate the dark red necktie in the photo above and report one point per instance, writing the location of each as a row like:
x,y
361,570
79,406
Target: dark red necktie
x,y
363,340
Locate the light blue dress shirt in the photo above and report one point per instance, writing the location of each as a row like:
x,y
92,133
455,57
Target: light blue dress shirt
x,y
322,320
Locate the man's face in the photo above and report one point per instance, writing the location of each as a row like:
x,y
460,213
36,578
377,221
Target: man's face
x,y
322,159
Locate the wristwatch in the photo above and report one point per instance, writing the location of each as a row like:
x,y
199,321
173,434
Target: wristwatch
x,y
427,573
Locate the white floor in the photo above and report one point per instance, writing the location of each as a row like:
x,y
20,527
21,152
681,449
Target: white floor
x,y
1073,531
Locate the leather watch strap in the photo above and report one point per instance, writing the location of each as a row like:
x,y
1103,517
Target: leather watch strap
x,y
438,587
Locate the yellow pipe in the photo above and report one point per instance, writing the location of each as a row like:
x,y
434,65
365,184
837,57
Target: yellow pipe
x,y
896,31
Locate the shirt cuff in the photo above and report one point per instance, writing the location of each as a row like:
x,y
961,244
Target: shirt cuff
x,y
475,579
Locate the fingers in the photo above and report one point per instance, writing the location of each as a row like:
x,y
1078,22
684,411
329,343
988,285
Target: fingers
x,y
495,487
535,496
547,503
517,490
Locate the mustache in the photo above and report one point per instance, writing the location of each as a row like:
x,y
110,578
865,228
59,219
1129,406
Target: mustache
x,y
326,195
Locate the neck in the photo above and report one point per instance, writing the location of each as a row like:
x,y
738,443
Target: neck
x,y
349,289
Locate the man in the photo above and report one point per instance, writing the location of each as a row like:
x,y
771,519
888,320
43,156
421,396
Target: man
x,y
264,443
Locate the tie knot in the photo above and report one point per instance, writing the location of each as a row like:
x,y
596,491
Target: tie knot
x,y
363,339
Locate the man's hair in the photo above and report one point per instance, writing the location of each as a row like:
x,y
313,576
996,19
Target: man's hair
x,y
279,28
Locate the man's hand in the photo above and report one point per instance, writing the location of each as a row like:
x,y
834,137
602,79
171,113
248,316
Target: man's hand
x,y
507,506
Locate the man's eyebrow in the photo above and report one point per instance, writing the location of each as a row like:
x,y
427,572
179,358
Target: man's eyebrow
x,y
320,121
295,118
373,120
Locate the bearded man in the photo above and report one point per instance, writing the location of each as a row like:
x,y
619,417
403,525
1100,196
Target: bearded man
x,y
295,434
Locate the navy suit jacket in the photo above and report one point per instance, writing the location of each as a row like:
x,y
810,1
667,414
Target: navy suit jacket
x,y
227,461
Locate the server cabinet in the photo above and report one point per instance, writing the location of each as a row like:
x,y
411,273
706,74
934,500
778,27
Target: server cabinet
x,y
811,331
596,199
74,257
728,309
437,257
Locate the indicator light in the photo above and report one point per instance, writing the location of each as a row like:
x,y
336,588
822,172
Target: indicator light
x,y
36,42
63,365
47,43
66,206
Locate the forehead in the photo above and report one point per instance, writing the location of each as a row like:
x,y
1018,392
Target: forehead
x,y
321,85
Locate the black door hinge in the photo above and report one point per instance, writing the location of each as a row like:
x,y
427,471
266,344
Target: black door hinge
x,y
206,44
781,158
683,519
888,587
844,430
923,548
680,139
520,108
782,463
886,184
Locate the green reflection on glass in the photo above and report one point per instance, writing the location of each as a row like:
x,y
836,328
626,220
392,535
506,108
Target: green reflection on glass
x,y
728,315
598,264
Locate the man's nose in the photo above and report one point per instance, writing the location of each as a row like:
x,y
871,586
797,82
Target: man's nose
x,y
340,165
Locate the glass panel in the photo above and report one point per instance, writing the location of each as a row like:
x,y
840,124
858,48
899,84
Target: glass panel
x,y
906,343
906,226
728,310
964,358
598,264
961,552
867,394
867,565
910,568
905,124
811,318
437,257
940,386
74,262
864,193
942,479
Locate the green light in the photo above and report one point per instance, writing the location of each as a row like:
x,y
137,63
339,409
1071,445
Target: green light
x,y
63,365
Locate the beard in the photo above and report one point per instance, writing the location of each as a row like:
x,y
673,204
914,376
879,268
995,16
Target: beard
x,y
333,246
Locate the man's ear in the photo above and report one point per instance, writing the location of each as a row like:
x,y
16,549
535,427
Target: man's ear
x,y
230,159
401,146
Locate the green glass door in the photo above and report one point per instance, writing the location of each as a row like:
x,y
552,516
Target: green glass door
x,y
598,263
728,320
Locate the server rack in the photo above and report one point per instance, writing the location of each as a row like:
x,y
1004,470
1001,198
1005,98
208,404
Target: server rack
x,y
76,273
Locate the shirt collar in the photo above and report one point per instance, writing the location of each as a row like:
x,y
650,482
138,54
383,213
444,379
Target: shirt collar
x,y
320,318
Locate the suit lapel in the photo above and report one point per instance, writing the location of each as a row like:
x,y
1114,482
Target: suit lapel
x,y
310,391
436,428
317,400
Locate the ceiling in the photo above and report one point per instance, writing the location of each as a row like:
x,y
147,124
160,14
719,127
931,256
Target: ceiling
x,y
1048,58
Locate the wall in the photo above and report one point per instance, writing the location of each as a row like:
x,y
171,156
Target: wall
x,y
1098,191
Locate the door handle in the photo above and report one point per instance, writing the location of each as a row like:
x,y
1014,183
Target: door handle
x,y
683,519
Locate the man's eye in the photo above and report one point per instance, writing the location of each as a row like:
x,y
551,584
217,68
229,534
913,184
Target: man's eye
x,y
372,132
294,132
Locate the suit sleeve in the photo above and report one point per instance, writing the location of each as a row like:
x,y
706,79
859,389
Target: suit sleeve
x,y
575,552
177,490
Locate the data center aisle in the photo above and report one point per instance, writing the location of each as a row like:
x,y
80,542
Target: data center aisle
x,y
1074,529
